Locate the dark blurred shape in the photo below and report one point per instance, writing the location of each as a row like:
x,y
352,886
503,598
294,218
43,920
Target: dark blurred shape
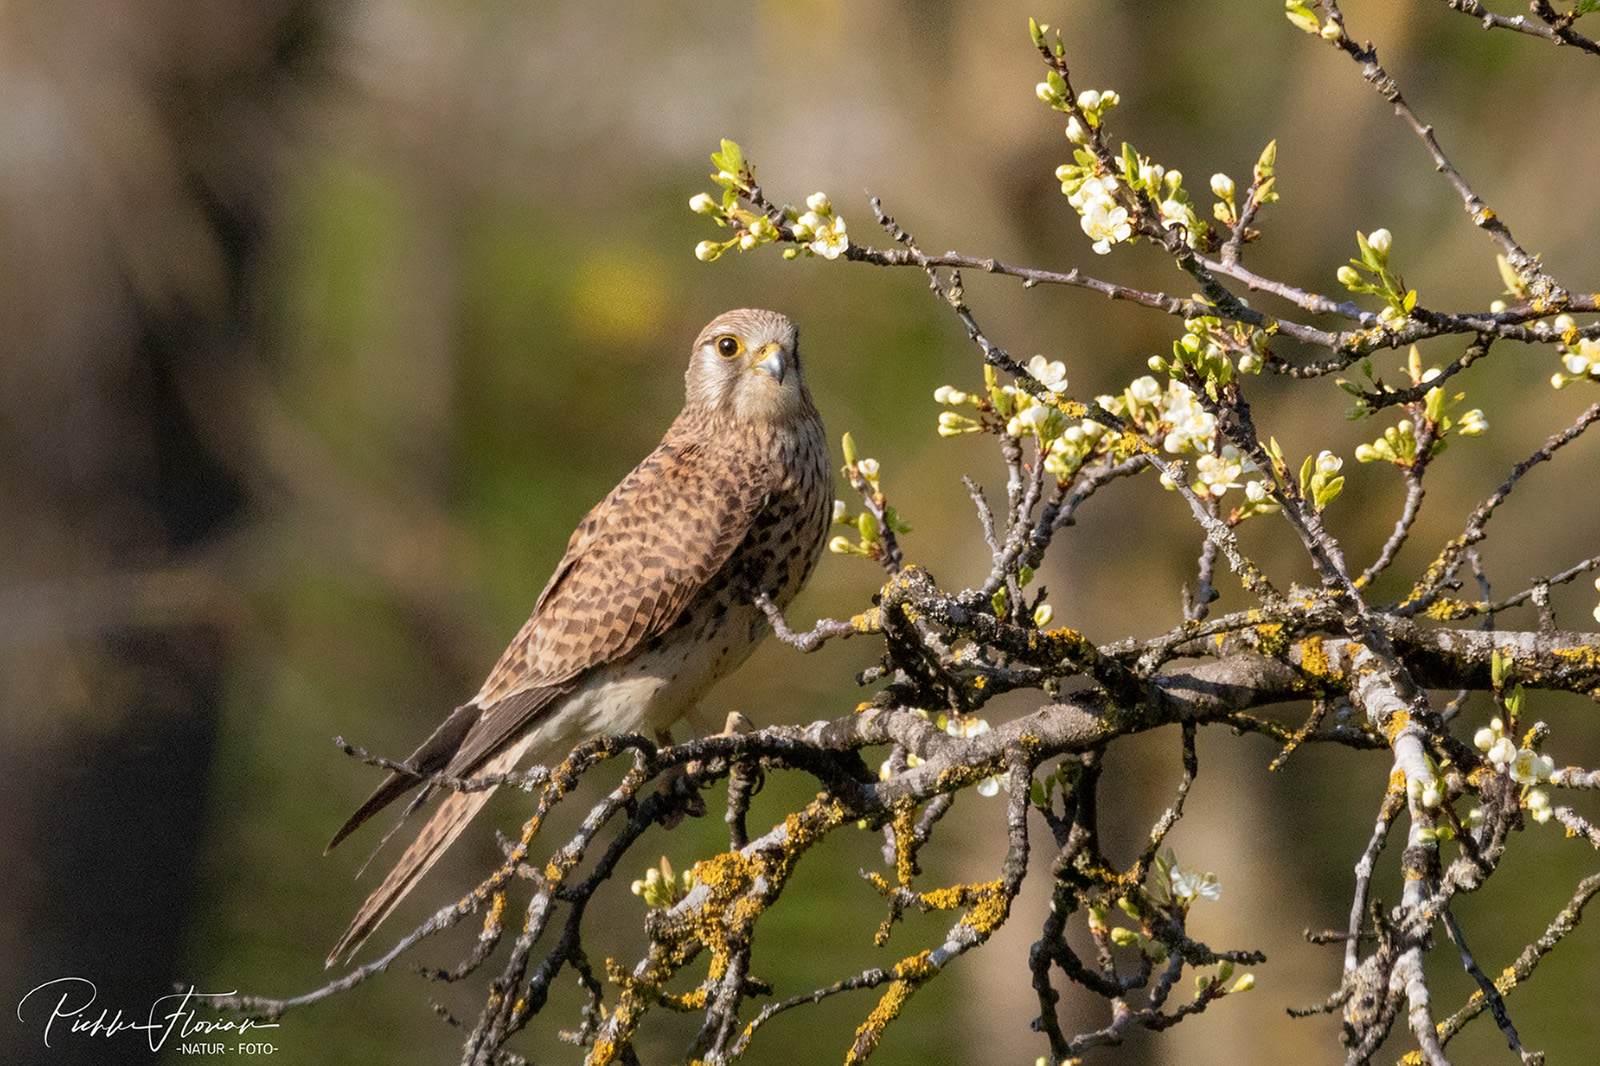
x,y
137,187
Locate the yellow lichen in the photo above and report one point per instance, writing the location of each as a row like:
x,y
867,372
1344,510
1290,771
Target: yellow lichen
x,y
1272,640
905,831
990,913
1396,724
1314,659
909,975
688,1001
1583,657
868,621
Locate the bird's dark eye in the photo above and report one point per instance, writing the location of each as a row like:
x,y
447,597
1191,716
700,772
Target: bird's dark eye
x,y
728,347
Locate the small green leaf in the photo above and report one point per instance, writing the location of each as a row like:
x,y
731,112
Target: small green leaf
x,y
1268,160
1328,491
1300,15
1514,286
1368,256
732,156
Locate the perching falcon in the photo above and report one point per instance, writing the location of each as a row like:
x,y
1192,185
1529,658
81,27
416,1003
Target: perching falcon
x,y
654,599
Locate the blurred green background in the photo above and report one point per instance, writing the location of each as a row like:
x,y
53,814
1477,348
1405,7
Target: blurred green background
x,y
322,323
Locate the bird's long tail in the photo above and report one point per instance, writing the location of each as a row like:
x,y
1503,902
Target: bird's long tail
x,y
455,811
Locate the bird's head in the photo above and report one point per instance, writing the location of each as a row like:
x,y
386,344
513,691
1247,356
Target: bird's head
x,y
745,367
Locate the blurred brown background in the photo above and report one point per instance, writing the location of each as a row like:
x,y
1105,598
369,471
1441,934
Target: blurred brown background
x,y
322,323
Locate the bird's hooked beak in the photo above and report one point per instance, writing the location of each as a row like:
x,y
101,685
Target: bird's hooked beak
x,y
772,362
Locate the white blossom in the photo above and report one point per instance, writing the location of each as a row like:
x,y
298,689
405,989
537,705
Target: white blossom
x,y
1190,885
1218,473
1192,425
1529,767
1030,421
1145,390
1106,224
953,425
830,238
1051,374
1502,752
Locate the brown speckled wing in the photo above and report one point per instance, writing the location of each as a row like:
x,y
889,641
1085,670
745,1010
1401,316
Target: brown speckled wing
x,y
633,565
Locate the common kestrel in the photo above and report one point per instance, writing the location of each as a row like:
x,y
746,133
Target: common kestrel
x,y
654,599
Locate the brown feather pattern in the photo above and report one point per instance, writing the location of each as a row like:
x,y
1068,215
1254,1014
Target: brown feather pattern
x,y
652,601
